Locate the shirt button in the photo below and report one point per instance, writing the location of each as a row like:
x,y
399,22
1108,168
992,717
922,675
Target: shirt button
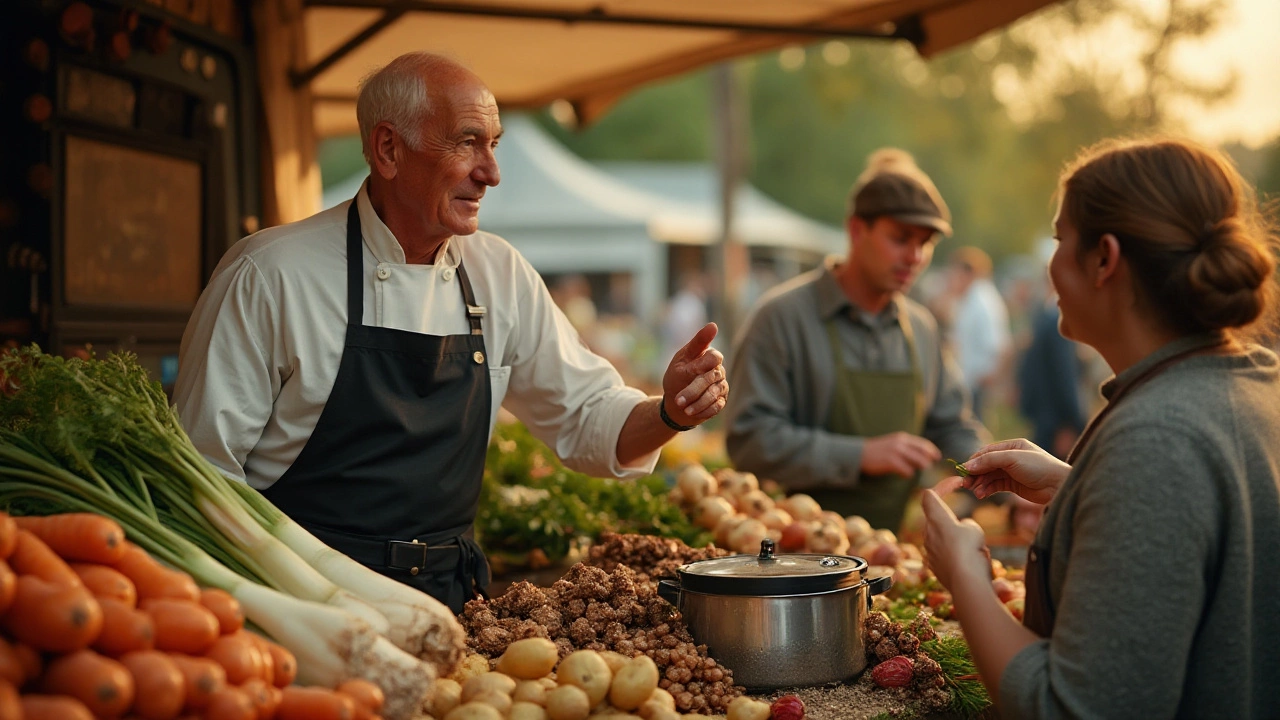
x,y
384,272
478,357
447,274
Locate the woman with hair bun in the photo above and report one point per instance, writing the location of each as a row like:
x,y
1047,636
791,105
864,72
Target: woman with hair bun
x,y
1153,584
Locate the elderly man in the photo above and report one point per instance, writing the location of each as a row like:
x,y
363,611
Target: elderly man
x,y
351,365
841,387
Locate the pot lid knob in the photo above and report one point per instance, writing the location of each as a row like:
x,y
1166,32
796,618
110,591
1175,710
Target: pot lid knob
x,y
766,549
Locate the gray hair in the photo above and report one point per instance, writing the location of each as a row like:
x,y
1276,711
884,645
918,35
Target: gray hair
x,y
397,94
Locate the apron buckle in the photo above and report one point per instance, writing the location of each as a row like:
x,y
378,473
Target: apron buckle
x,y
411,556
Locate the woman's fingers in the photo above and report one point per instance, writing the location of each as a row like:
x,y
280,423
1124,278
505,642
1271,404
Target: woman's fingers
x,y
948,485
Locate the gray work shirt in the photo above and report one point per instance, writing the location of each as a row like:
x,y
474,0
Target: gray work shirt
x,y
782,382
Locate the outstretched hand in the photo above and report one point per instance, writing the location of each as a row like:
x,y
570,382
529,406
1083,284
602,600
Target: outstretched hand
x,y
695,387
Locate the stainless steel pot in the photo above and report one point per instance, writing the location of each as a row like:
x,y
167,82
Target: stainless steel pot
x,y
778,620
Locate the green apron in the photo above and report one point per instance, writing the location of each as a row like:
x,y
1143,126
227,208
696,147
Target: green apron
x,y
867,404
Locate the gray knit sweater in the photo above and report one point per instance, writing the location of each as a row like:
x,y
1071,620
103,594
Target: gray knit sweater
x,y
1164,553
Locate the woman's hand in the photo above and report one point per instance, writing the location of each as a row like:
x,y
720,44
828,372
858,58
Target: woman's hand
x,y
957,549
1016,466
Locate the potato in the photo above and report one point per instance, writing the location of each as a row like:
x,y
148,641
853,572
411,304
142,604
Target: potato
x,y
827,539
657,712
634,683
473,711
529,659
489,682
548,683
527,711
662,698
744,708
499,701
588,671
829,517
615,660
530,691
886,536
801,507
711,510
446,695
568,702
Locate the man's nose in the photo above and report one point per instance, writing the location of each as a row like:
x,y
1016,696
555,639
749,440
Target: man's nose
x,y
487,170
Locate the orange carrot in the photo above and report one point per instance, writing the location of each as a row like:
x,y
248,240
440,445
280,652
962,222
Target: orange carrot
x,y
105,581
365,694
154,580
11,668
284,663
31,556
268,662
201,678
54,618
182,625
8,535
32,662
53,707
86,537
124,629
160,691
10,706
239,655
226,608
310,703
8,583
102,684
264,696
230,703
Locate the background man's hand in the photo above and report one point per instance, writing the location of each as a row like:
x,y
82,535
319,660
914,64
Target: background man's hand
x,y
900,452
695,388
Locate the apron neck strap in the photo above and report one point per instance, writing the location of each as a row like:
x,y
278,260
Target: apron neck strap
x,y
355,265
355,277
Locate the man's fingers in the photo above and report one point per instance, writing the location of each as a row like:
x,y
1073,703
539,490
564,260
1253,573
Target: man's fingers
x,y
711,411
709,361
698,388
701,341
713,392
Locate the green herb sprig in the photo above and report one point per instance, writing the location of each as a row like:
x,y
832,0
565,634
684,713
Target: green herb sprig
x,y
968,695
960,469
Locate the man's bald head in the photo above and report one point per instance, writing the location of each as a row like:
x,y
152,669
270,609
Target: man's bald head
x,y
404,92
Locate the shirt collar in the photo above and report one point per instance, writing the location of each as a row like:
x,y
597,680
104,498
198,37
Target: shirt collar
x,y
832,301
1184,344
380,240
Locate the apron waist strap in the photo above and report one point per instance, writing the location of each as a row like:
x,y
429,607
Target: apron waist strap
x,y
394,554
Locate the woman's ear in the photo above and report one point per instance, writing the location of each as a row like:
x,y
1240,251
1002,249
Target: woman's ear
x,y
1107,257
383,158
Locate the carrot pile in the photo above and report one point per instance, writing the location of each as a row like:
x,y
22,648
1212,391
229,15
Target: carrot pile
x,y
91,626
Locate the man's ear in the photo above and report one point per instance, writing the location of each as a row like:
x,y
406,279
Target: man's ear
x,y
1107,258
384,157
856,228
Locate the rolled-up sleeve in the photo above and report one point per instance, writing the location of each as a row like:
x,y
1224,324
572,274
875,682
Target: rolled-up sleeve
x,y
226,380
764,436
569,397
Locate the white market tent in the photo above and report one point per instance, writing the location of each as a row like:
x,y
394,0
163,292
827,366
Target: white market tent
x,y
566,215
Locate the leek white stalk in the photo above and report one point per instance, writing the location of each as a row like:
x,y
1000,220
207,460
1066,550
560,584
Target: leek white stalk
x,y
419,624
405,680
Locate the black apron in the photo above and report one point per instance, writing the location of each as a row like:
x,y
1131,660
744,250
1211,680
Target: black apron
x,y
391,474
1039,614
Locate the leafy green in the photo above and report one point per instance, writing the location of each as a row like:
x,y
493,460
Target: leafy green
x,y
961,470
968,695
530,501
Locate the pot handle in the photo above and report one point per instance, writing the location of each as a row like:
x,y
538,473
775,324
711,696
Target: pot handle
x,y
875,586
669,591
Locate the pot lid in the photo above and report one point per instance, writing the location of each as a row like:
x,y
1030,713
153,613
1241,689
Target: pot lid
x,y
769,574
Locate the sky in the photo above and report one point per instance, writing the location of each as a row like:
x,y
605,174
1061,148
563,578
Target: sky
x,y
1249,41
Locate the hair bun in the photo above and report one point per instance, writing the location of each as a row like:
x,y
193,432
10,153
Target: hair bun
x,y
1223,278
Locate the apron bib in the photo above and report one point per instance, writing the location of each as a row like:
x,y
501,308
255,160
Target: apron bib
x,y
869,403
391,474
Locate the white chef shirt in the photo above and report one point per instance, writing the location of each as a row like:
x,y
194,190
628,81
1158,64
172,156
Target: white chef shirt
x,y
262,348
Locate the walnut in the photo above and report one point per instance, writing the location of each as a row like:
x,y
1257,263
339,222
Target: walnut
x,y
886,649
908,643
